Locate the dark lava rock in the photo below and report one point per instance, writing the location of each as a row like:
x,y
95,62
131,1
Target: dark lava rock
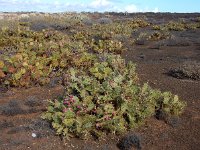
x,y
130,141
13,103
141,56
173,121
12,108
59,27
177,42
16,142
6,124
55,81
18,129
161,115
140,42
3,89
33,101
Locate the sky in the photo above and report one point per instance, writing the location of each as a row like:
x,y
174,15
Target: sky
x,y
100,5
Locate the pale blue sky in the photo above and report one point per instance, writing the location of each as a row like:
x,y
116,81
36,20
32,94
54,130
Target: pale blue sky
x,y
101,5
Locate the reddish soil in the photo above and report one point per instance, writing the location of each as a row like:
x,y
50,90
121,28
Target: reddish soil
x,y
20,109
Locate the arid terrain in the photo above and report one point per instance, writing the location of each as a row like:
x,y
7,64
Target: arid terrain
x,y
22,128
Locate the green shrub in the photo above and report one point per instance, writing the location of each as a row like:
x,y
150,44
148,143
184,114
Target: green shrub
x,y
156,27
192,26
159,35
114,29
176,26
111,46
39,54
138,22
107,99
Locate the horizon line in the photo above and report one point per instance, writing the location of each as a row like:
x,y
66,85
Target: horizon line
x,y
95,12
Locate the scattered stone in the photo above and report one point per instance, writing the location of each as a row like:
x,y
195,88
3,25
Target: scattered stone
x,y
33,135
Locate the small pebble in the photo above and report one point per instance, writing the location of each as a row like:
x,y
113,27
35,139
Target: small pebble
x,y
34,135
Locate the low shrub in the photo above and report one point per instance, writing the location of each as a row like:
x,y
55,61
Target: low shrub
x,y
110,46
189,70
193,26
138,22
159,35
106,99
156,27
42,56
176,26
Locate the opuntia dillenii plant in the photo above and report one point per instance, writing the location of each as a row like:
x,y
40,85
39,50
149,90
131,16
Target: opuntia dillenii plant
x,y
107,98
